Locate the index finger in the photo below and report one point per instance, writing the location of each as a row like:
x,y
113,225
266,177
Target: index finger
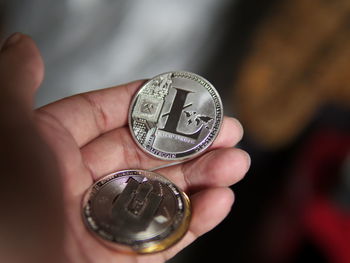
x,y
87,115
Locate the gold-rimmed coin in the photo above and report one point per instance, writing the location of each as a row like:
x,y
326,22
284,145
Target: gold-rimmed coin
x,y
136,211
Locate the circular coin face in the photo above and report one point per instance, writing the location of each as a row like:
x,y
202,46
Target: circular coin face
x,y
175,115
136,211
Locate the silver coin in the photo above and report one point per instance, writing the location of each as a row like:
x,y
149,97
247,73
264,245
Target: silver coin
x,y
136,211
175,115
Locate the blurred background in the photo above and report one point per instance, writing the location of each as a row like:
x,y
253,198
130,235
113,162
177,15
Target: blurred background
x,y
281,67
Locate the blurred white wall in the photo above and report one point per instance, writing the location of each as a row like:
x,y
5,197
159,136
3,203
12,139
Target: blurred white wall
x,y
91,44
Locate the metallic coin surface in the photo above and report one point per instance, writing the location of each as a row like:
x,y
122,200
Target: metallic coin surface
x,y
136,211
175,115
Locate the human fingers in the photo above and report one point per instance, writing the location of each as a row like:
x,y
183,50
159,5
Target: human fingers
x,y
209,208
217,168
230,134
88,115
21,71
117,150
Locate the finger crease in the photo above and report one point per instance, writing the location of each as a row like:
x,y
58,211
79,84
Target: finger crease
x,y
100,116
89,169
48,114
136,159
184,171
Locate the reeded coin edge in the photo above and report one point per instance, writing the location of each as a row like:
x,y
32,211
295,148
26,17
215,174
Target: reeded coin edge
x,y
197,150
153,245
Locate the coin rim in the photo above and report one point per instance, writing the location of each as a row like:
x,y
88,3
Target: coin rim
x,y
198,149
149,246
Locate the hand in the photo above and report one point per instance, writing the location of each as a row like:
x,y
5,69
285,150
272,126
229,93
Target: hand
x,y
84,137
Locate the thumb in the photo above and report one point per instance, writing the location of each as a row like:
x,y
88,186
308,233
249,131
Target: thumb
x,y
21,69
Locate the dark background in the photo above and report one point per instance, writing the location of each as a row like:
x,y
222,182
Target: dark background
x,y
274,194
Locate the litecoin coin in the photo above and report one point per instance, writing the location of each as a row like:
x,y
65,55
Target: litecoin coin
x,y
136,211
175,115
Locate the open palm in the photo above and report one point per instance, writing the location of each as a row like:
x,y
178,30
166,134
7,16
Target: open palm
x,y
89,135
